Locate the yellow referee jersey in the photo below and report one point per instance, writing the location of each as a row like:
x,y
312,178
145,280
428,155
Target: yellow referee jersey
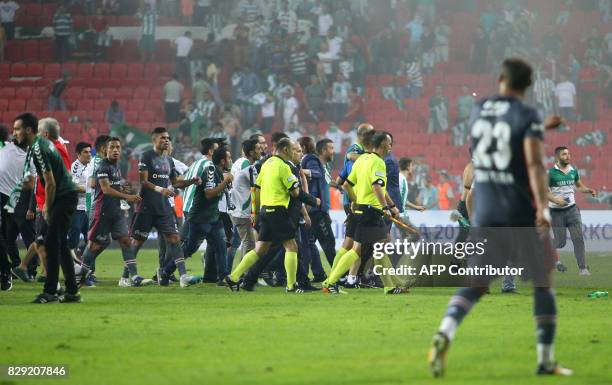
x,y
369,169
275,180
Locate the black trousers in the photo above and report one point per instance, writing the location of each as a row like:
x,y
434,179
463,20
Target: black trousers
x,y
8,238
321,231
56,244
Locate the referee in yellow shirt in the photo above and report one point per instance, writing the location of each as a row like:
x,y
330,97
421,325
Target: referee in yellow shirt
x,y
274,185
366,186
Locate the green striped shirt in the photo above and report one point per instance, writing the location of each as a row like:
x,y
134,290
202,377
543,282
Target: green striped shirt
x,y
195,170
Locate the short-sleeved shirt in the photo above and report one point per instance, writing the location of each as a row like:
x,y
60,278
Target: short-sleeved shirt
x,y
241,188
89,173
47,158
103,203
79,177
348,166
499,126
204,210
161,171
368,170
563,185
276,180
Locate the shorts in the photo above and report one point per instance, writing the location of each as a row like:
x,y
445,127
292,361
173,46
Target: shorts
x,y
142,223
41,228
102,225
517,247
370,225
147,43
349,223
275,225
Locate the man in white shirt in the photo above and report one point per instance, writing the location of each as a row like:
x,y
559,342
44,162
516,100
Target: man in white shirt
x,y
173,91
7,17
80,220
565,92
183,46
287,18
335,43
291,106
244,179
326,21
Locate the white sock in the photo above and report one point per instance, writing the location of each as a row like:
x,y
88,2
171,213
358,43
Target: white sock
x,y
545,354
351,279
448,327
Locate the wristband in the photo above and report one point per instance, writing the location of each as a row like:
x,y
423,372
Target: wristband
x,y
158,189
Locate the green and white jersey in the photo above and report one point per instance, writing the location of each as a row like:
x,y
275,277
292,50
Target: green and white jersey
x,y
90,181
195,170
403,185
563,185
241,189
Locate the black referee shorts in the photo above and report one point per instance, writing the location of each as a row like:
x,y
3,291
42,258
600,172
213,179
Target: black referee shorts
x,y
370,225
349,222
275,225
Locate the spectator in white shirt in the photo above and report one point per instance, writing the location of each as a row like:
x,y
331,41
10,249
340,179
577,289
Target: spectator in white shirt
x,y
287,18
7,17
173,92
326,21
183,46
326,58
335,43
291,106
565,92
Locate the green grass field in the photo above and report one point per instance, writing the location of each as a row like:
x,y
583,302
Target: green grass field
x,y
207,335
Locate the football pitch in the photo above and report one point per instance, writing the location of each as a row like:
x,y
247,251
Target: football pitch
x,y
207,335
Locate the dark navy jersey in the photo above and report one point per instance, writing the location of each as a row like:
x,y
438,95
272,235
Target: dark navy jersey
x,y
161,172
103,203
502,195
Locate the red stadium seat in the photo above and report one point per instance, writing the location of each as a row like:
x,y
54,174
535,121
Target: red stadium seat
x,y
151,71
92,93
124,92
101,71
109,93
85,71
14,51
136,105
45,51
73,92
147,116
52,71
17,105
97,116
40,93
30,50
23,93
131,116
36,70
101,105
4,103
85,105
35,105
135,71
19,70
118,71
141,93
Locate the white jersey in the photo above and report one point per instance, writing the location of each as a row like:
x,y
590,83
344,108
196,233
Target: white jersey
x,y
12,159
181,168
241,188
79,177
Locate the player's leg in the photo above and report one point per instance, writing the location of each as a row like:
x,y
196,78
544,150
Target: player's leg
x,y
261,249
574,224
559,233
341,267
459,306
291,264
161,251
